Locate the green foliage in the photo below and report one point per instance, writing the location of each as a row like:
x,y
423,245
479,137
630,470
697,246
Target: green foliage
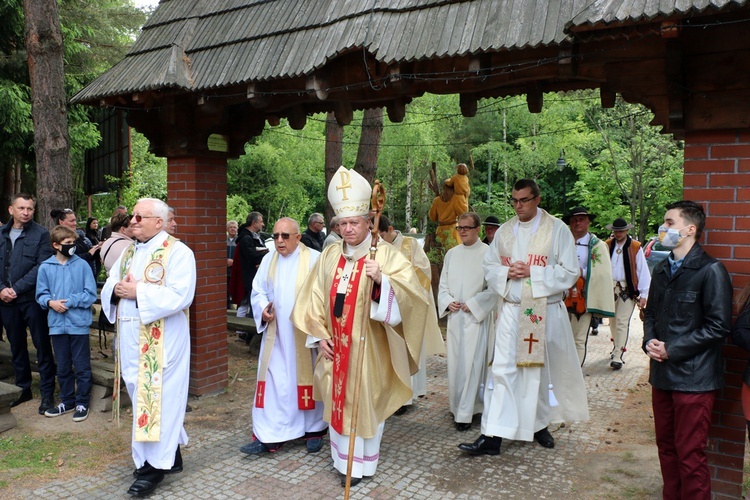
x,y
237,209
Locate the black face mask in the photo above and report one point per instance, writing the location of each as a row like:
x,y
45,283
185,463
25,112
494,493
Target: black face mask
x,y
68,250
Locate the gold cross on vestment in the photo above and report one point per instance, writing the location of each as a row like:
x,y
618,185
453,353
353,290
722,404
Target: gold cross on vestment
x,y
338,410
531,341
306,397
259,395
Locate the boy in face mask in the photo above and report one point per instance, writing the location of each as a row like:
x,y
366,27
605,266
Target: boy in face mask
x,y
688,315
66,287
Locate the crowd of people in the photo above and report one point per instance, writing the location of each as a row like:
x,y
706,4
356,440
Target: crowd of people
x,y
348,318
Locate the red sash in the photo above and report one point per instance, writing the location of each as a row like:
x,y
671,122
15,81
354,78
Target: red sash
x,y
342,338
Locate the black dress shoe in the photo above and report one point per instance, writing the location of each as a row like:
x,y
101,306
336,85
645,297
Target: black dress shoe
x,y
25,396
147,468
484,445
146,483
47,403
463,426
616,365
401,410
544,438
354,482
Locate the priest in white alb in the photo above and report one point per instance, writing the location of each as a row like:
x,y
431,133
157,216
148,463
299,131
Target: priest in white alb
x,y
470,305
147,294
433,344
283,407
349,295
535,378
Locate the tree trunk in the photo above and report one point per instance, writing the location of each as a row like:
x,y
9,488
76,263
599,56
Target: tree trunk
x,y
334,154
369,144
44,46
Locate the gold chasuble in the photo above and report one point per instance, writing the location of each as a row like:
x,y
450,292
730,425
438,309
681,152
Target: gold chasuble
x,y
151,358
391,353
532,324
305,399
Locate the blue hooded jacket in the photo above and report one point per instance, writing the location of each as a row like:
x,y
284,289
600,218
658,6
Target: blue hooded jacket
x,y
73,281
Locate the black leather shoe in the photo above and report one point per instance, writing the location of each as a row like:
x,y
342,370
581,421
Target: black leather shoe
x,y
616,365
544,438
146,484
25,396
148,469
463,426
354,482
482,446
401,410
47,403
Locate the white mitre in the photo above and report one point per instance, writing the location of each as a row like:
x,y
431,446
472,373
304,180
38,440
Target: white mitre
x,y
349,193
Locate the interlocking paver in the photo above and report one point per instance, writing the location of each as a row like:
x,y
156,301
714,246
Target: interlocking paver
x,y
419,458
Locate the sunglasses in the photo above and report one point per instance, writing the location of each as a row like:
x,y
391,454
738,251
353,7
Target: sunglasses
x,y
138,217
284,236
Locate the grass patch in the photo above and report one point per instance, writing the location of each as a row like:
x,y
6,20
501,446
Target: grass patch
x,y
628,456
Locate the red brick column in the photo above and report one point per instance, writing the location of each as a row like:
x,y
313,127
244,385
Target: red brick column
x,y
197,190
717,174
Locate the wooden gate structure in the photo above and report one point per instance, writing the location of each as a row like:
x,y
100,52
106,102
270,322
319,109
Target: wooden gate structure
x,y
204,76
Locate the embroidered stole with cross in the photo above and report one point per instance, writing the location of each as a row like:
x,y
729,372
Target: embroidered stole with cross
x,y
532,321
151,357
343,300
304,359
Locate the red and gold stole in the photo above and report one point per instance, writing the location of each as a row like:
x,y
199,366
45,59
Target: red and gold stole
x,y
342,337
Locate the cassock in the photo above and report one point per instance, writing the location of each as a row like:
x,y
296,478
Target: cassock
x,y
462,280
516,399
280,418
433,339
154,302
392,346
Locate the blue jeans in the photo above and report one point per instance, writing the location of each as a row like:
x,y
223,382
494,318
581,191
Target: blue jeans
x,y
16,316
73,354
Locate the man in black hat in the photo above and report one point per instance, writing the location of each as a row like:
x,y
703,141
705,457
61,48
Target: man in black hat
x,y
591,293
491,223
631,280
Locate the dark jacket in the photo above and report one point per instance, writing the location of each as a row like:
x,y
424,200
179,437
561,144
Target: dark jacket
x,y
20,262
691,312
313,240
251,249
741,336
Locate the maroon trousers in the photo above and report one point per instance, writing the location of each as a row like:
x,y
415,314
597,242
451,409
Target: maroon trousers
x,y
682,420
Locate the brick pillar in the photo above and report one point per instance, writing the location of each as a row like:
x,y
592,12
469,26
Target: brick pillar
x,y
197,190
717,174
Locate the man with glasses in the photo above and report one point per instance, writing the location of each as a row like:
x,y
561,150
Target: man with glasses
x,y
148,292
463,296
349,295
284,408
531,263
314,237
24,245
592,293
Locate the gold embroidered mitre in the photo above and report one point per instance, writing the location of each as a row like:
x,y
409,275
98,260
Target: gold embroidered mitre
x,y
349,193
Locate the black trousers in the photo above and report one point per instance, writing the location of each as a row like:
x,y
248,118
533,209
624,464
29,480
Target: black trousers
x,y
16,317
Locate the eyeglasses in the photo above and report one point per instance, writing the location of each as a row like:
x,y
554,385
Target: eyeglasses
x,y
138,217
522,201
465,228
284,236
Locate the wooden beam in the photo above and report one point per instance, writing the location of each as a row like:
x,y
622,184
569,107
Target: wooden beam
x,y
319,85
344,113
607,96
534,98
396,110
468,103
297,117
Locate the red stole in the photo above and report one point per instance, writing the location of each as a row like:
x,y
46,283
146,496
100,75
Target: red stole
x,y
342,338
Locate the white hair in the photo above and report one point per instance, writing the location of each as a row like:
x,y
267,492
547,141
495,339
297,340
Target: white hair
x,y
158,207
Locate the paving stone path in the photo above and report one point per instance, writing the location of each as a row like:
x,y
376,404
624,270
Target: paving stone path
x,y
419,458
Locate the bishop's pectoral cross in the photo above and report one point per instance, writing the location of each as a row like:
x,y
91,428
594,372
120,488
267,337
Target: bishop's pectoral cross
x,y
531,341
